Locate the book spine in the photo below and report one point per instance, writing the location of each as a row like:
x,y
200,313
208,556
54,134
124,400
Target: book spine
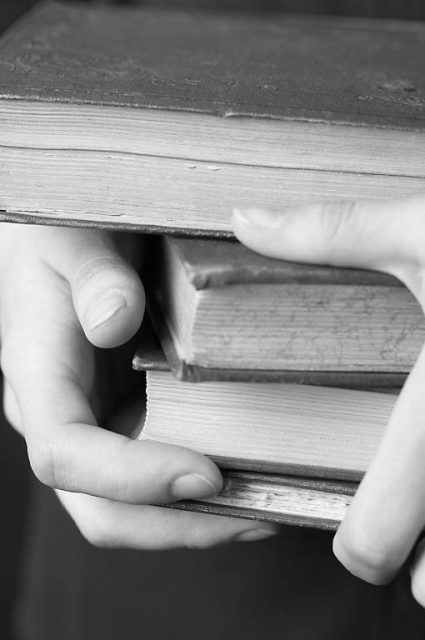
x,y
278,499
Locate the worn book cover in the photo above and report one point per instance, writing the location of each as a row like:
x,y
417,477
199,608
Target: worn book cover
x,y
132,118
223,312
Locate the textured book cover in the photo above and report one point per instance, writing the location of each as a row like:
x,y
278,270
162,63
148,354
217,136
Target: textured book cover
x,y
337,70
224,285
148,357
165,120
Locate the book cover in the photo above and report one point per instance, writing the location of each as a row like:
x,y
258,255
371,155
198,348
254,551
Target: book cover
x,y
333,69
222,312
161,120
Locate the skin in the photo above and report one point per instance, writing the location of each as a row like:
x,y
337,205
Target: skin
x,y
388,513
62,291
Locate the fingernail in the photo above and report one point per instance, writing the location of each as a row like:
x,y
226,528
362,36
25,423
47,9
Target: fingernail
x,y
256,217
105,309
193,486
255,534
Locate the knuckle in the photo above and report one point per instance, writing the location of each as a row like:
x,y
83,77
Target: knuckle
x,y
9,363
47,463
11,408
338,219
97,268
17,362
10,414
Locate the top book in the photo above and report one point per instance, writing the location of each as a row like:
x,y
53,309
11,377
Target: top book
x,y
160,120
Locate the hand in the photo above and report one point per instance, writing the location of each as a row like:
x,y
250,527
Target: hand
x,y
388,512
62,291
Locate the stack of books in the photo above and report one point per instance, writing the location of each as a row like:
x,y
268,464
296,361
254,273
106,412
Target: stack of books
x,y
161,122
274,368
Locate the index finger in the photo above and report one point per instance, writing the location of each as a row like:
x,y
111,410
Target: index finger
x,y
388,511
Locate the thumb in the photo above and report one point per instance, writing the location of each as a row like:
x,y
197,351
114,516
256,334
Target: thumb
x,y
385,235
107,293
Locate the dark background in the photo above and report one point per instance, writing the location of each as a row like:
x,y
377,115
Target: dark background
x,y
14,475
405,9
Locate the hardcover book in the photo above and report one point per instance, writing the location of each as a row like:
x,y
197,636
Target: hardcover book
x,y
291,453
132,118
223,312
282,499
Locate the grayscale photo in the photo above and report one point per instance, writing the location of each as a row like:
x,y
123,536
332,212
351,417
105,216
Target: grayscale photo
x,y
212,299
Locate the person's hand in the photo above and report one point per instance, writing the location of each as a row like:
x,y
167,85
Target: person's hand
x,y
388,512
62,291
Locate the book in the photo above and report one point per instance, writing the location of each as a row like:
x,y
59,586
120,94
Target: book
x,y
290,500
293,454
281,428
223,312
131,118
274,427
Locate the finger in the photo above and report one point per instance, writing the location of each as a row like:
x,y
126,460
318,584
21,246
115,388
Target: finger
x,y
113,524
417,572
50,377
107,293
364,233
388,511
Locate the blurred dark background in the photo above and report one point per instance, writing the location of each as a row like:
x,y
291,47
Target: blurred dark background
x,y
14,474
14,478
404,9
